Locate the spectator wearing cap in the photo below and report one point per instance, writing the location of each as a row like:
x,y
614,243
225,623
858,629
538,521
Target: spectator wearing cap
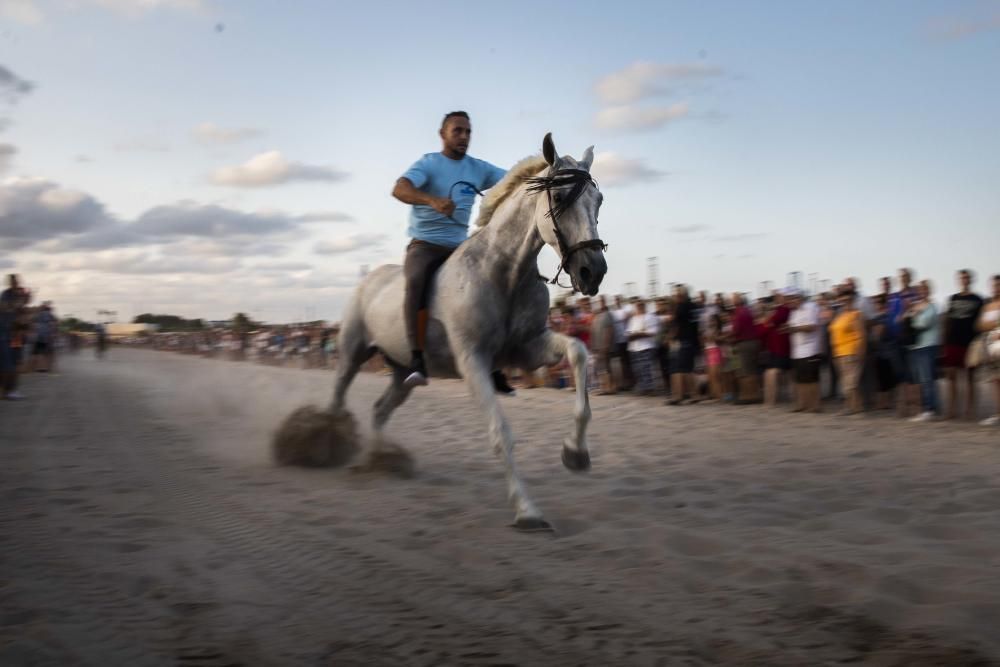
x,y
959,330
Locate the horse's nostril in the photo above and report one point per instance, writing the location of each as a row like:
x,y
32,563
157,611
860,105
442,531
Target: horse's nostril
x,y
585,274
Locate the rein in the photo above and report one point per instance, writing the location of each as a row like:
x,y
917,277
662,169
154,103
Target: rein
x,y
578,179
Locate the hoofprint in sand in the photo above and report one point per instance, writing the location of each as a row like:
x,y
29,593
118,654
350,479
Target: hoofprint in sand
x,y
144,522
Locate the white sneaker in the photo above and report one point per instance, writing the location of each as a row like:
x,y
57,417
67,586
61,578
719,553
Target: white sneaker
x,y
990,421
14,396
415,379
923,417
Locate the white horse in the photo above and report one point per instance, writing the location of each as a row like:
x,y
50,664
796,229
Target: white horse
x,y
489,306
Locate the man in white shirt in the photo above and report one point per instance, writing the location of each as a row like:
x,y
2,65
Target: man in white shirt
x,y
807,344
642,331
620,314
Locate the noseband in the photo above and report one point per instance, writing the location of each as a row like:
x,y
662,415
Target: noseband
x,y
578,179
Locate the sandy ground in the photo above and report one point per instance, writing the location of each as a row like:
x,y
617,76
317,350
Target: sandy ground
x,y
142,523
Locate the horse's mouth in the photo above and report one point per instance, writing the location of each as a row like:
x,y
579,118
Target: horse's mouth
x,y
588,281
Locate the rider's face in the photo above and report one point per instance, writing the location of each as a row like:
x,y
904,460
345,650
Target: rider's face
x,y
456,135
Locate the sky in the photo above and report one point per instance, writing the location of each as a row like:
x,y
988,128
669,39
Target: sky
x,y
203,157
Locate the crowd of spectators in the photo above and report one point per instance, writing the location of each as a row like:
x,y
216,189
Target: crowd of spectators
x,y
305,345
28,337
888,351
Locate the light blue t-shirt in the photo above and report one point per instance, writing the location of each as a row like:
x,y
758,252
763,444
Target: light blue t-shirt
x,y
928,325
436,175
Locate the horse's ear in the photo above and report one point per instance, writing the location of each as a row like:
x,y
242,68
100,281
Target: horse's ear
x,y
549,150
588,158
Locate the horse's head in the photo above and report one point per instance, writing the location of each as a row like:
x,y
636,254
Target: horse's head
x,y
566,216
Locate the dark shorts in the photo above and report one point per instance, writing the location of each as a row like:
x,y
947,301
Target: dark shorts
x,y
778,362
903,372
954,356
41,347
885,374
7,363
747,352
807,370
682,359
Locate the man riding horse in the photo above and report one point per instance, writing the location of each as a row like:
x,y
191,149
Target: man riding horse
x,y
441,188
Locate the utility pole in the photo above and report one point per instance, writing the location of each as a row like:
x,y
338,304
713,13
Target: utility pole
x,y
653,276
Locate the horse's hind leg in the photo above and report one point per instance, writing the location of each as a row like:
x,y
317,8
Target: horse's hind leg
x,y
393,397
354,351
380,455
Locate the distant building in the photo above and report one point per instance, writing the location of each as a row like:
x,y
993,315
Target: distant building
x,y
128,329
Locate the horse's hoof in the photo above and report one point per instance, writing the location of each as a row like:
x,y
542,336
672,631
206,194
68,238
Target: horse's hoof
x,y
575,460
531,524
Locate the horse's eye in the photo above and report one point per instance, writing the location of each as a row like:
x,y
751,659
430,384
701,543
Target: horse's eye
x,y
557,198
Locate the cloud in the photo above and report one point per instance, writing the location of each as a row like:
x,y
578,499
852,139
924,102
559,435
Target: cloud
x,y
325,216
25,12
281,267
272,168
748,236
12,86
6,263
199,229
348,244
83,159
28,12
610,169
139,263
142,145
7,152
140,7
212,134
642,80
33,210
639,118
953,28
211,221
52,219
690,229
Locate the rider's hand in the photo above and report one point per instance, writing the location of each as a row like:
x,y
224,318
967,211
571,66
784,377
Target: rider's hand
x,y
444,206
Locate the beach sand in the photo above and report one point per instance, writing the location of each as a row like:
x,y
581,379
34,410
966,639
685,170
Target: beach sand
x,y
143,523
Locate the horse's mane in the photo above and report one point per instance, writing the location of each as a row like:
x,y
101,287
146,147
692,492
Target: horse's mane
x,y
529,166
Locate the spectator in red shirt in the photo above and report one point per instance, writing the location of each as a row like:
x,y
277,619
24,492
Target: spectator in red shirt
x,y
779,348
746,345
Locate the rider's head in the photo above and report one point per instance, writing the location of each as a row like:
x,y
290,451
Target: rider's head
x,y
456,131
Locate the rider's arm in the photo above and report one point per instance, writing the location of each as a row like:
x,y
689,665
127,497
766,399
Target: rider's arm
x,y
405,192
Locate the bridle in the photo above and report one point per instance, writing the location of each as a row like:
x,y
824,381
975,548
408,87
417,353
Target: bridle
x,y
578,179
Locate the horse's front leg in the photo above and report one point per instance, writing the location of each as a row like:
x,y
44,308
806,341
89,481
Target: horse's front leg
x,y
476,372
548,349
